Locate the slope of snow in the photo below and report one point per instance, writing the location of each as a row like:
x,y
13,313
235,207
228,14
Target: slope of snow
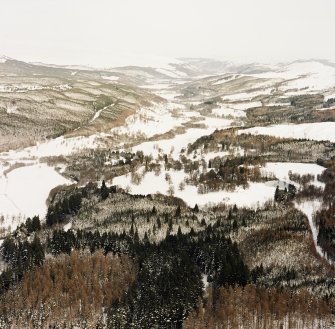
x,y
54,147
171,72
316,131
151,121
223,80
23,192
312,75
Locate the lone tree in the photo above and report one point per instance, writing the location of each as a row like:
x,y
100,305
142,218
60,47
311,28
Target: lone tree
x,y
196,208
178,212
104,192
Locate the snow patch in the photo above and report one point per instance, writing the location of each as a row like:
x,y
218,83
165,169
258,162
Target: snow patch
x,y
316,131
24,191
111,77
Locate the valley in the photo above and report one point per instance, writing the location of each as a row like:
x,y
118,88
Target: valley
x,y
233,165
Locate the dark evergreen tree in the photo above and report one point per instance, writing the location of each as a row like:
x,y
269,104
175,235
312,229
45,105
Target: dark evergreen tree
x,y
178,212
196,208
104,192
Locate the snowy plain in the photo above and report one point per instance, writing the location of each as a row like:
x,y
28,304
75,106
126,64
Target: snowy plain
x,y
319,131
24,191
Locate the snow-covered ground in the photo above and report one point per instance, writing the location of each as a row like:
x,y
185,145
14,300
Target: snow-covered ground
x,y
308,75
67,226
244,105
316,131
281,171
53,147
228,111
24,191
150,121
167,117
110,77
248,96
255,195
171,146
174,145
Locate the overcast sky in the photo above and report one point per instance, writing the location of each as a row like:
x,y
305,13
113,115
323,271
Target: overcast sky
x,y
114,32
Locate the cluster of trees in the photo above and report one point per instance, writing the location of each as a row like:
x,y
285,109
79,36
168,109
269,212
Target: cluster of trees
x,y
231,173
325,218
70,202
165,290
68,290
285,195
329,103
257,307
169,282
271,148
165,275
32,224
20,257
301,179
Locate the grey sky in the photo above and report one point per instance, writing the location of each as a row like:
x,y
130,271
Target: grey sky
x,y
110,32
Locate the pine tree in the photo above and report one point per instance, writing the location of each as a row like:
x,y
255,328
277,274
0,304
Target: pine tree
x,y
36,224
178,212
153,211
104,192
277,194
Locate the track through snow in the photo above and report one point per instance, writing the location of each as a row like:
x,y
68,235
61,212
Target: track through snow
x,y
309,208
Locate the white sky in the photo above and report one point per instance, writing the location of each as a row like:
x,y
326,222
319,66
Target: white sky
x,y
115,32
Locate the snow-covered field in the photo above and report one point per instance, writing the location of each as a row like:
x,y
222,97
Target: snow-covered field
x,y
255,195
281,171
24,191
174,145
228,111
316,131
